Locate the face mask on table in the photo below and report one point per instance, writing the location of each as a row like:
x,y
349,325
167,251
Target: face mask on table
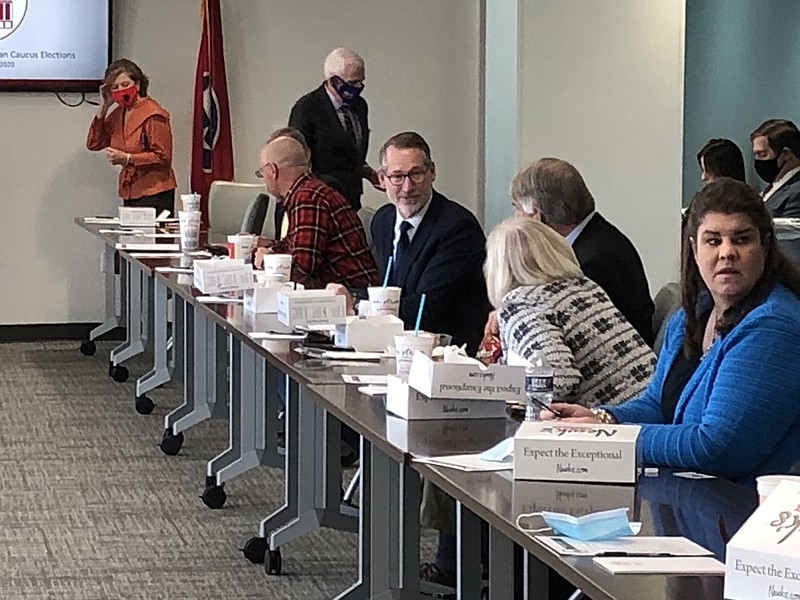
x,y
603,525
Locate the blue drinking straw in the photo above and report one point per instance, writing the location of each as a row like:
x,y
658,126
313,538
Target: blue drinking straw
x,y
388,270
419,314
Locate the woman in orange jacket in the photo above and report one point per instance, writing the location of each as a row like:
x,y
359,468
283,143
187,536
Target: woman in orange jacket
x,y
136,136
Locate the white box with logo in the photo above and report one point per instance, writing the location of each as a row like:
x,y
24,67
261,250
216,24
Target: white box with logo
x,y
225,275
430,437
303,308
264,298
587,452
368,334
466,380
137,216
407,403
763,559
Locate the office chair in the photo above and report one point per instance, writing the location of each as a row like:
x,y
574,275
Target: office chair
x,y
228,203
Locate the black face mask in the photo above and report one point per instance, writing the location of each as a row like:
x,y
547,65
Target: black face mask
x,y
767,169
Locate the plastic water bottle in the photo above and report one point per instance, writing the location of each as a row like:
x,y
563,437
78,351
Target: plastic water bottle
x,y
538,385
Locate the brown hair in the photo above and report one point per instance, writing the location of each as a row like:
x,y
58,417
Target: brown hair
x,y
406,141
728,196
131,69
780,134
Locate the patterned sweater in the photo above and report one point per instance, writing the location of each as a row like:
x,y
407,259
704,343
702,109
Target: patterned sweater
x,y
596,355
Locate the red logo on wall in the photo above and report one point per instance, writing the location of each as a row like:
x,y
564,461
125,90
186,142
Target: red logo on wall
x,y
12,13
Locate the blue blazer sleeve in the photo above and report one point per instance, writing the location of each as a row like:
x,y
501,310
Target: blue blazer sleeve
x,y
737,421
647,407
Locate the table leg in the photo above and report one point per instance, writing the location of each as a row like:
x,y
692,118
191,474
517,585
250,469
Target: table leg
x,y
133,343
468,554
111,319
501,566
159,374
536,579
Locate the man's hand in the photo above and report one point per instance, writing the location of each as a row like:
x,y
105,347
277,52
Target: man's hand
x,y
371,175
258,260
340,290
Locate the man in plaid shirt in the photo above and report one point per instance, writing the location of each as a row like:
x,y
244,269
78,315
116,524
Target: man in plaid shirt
x,y
325,237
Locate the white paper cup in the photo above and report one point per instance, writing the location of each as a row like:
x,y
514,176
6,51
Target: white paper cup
x,y
384,300
241,246
406,344
190,230
766,484
268,279
191,202
278,264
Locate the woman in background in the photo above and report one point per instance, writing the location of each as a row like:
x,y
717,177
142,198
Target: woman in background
x,y
720,158
136,136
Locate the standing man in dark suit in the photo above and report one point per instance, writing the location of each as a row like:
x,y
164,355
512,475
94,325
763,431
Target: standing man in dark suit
x,y
333,119
776,149
438,246
553,191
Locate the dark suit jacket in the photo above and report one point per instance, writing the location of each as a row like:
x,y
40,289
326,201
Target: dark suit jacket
x,y
785,202
609,259
333,151
445,261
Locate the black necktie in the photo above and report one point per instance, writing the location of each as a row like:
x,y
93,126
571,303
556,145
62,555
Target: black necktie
x,y
348,124
400,251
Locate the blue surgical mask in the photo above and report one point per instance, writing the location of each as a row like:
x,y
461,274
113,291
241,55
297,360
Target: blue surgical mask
x,y
347,92
603,525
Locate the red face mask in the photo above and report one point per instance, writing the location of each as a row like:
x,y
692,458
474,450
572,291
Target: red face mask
x,y
125,97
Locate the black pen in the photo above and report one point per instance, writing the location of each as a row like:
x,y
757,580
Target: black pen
x,y
552,411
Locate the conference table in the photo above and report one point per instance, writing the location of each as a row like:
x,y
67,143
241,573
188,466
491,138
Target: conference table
x,y
228,372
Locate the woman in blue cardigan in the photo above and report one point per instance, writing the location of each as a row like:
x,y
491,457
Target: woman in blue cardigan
x,y
725,397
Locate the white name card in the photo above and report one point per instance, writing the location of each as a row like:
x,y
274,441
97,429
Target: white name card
x,y
588,452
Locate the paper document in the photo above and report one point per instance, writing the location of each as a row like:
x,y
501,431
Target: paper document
x,y
101,220
693,475
159,235
464,462
149,247
219,300
365,379
374,390
625,546
158,255
697,565
344,355
174,270
276,335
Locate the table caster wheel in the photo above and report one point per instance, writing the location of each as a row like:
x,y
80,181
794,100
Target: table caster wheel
x,y
88,348
144,406
274,564
171,444
214,496
118,373
255,550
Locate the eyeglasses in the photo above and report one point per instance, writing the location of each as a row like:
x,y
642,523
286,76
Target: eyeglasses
x,y
260,172
414,175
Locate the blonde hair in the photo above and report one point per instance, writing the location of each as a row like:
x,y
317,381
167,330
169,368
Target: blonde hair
x,y
522,251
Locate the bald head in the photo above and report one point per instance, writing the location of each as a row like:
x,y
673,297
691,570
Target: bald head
x,y
285,151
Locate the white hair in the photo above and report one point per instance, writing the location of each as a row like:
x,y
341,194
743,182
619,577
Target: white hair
x,y
337,61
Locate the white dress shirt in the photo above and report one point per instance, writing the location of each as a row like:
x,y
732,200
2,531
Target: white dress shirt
x,y
413,221
780,182
573,235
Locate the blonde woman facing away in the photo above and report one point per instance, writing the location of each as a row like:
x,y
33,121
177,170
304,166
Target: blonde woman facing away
x,y
544,302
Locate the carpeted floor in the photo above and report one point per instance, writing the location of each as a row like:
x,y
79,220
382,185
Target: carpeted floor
x,y
90,509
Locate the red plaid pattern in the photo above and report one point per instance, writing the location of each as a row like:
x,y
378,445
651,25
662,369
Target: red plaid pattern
x,y
325,238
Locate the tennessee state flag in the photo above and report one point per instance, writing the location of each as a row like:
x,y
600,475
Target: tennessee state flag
x,y
212,149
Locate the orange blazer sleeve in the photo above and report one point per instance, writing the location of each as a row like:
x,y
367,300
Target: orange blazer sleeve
x,y
99,135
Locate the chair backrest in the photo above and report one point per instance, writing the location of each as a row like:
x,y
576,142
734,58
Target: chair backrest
x,y
228,202
366,214
255,215
667,301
